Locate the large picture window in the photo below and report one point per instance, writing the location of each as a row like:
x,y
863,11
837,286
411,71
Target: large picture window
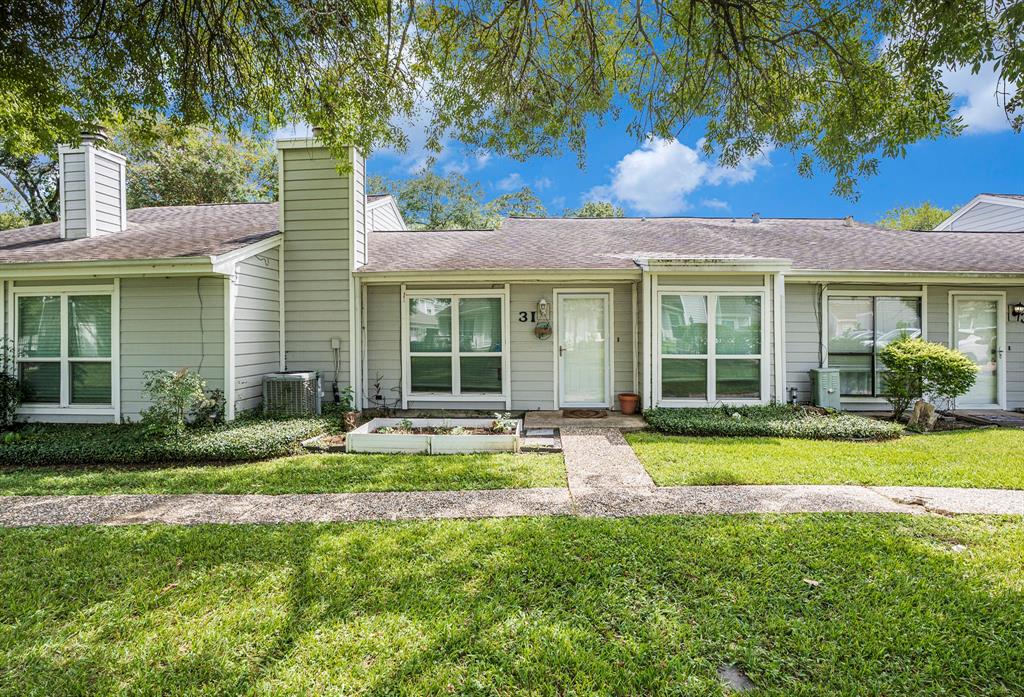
x,y
858,328
64,348
712,347
456,344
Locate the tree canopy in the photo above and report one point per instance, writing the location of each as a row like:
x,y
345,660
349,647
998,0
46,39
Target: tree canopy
x,y
595,209
429,201
841,85
923,217
166,166
181,167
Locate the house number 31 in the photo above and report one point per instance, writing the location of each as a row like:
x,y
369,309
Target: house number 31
x,y
527,316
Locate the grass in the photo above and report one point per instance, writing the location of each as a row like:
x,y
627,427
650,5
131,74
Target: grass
x,y
296,475
551,606
986,458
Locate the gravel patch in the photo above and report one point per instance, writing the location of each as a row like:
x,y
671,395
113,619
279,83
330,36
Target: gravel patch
x,y
196,509
739,499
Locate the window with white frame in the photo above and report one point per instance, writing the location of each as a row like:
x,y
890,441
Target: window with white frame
x,y
64,347
456,344
712,346
858,328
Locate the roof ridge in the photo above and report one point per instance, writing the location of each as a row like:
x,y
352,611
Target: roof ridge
x,y
671,217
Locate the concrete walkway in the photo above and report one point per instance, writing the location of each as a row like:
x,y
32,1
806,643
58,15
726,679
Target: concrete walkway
x,y
604,475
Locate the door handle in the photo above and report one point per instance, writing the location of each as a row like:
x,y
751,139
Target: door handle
x,y
561,351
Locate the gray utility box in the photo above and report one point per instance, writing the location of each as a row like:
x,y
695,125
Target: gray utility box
x,y
295,393
825,387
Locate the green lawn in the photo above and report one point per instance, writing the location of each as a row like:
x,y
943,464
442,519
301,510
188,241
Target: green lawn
x,y
545,606
976,458
303,474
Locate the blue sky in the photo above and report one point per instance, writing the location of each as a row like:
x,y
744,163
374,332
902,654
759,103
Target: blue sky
x,y
672,178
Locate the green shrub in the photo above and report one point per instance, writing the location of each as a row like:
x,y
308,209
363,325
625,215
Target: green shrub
x,y
915,367
775,420
173,395
132,444
10,387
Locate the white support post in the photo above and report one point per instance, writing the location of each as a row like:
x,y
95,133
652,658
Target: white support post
x,y
506,354
779,325
229,347
115,353
647,292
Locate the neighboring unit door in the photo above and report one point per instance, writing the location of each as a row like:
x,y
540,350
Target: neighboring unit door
x,y
977,331
583,350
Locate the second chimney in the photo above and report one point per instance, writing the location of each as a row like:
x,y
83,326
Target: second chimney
x,y
92,188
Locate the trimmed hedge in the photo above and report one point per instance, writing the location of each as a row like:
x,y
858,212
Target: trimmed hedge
x,y
774,421
128,444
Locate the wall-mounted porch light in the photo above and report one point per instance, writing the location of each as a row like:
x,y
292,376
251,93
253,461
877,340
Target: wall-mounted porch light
x,y
1017,311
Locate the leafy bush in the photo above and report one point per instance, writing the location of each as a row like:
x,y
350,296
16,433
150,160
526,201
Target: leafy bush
x,y
173,397
132,444
916,367
211,411
10,387
776,420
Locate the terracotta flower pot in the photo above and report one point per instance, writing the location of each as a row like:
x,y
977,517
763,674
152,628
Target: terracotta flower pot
x,y
628,402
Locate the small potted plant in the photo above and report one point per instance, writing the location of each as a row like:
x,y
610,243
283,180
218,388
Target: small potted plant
x,y
628,402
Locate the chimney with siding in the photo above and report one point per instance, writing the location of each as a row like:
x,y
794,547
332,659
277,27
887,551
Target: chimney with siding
x,y
92,182
322,205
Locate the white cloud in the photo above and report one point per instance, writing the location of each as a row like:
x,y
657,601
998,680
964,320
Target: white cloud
x,y
658,177
976,97
542,183
716,203
510,183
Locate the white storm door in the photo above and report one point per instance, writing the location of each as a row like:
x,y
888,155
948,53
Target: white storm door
x,y
977,331
584,343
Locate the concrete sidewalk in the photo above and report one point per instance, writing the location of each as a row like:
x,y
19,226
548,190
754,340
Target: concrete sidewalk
x,y
605,479
195,509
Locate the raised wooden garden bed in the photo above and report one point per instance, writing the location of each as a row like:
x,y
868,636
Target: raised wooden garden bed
x,y
432,436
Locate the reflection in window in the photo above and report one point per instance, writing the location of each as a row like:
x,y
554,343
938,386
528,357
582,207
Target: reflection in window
x,y
859,327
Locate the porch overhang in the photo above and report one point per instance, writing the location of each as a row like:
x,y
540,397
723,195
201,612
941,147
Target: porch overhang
x,y
663,263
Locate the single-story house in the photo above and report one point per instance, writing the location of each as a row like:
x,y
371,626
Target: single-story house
x,y
987,213
543,313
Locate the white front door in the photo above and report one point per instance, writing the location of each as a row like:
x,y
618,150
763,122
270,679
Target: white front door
x,y
977,331
584,345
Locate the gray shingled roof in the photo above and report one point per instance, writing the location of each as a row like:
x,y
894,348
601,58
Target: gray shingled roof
x,y
543,243
152,233
614,243
1016,197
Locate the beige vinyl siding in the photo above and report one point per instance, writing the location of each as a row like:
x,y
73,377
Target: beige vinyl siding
x,y
990,217
359,194
384,343
257,327
384,216
938,331
75,222
170,323
803,340
532,360
317,214
106,193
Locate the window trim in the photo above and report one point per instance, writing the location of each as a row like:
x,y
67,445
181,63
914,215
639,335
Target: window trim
x,y
456,395
64,406
712,293
921,293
